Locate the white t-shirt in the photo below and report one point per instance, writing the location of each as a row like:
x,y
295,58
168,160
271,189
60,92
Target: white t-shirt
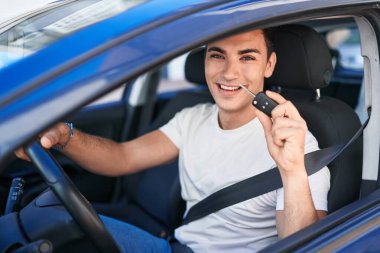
x,y
210,159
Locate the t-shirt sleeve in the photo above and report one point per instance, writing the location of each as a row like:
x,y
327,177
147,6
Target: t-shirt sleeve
x,y
319,182
173,129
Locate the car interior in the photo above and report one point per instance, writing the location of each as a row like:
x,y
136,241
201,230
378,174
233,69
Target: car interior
x,y
152,199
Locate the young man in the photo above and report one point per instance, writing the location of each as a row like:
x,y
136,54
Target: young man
x,y
219,145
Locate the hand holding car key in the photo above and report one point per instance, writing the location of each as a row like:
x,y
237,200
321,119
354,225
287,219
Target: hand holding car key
x,y
285,129
261,101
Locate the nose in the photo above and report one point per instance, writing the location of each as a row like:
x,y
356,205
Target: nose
x,y
231,70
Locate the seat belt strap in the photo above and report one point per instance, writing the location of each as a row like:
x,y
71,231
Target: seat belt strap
x,y
258,184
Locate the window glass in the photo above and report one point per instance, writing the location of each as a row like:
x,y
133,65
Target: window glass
x,y
113,96
347,43
36,32
173,76
346,84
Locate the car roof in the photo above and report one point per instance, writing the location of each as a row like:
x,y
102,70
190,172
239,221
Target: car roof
x,y
77,69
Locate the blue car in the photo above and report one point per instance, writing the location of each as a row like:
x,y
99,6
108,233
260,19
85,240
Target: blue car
x,y
81,54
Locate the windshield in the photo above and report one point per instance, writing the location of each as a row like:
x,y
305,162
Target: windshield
x,y
36,31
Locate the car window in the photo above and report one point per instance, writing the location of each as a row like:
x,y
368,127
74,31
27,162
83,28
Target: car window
x,y
346,84
173,76
39,30
346,41
113,96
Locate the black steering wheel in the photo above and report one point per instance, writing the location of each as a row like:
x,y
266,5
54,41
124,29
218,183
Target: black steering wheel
x,y
75,203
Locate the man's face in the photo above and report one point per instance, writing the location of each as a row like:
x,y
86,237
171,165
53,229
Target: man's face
x,y
239,59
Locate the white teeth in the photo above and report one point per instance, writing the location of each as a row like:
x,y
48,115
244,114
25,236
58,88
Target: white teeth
x,y
224,87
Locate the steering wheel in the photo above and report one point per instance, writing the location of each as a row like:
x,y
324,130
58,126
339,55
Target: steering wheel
x,y
75,203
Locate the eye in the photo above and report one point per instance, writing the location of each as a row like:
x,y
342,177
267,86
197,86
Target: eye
x,y
216,56
248,58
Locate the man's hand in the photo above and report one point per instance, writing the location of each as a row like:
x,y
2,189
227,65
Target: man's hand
x,y
59,134
285,134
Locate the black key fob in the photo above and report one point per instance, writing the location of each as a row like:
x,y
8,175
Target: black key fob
x,y
264,103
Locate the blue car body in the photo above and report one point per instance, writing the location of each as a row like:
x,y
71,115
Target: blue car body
x,y
56,81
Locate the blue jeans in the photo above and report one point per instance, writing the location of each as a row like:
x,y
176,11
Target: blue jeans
x,y
132,239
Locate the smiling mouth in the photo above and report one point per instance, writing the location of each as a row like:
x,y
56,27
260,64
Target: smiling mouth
x,y
228,88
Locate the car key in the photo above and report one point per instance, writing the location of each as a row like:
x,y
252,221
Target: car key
x,y
261,101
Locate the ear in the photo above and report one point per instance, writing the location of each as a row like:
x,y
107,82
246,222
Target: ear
x,y
270,65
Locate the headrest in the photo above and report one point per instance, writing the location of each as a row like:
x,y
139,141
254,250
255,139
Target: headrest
x,y
303,60
195,66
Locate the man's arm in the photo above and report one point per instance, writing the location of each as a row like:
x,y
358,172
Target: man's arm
x,y
299,210
285,135
106,157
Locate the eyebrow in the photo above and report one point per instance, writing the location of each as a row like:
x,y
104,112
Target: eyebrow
x,y
249,50
240,52
216,49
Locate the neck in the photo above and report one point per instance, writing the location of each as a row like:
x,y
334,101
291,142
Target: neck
x,y
233,120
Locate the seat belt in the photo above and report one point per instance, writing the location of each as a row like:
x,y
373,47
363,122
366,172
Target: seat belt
x,y
258,184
